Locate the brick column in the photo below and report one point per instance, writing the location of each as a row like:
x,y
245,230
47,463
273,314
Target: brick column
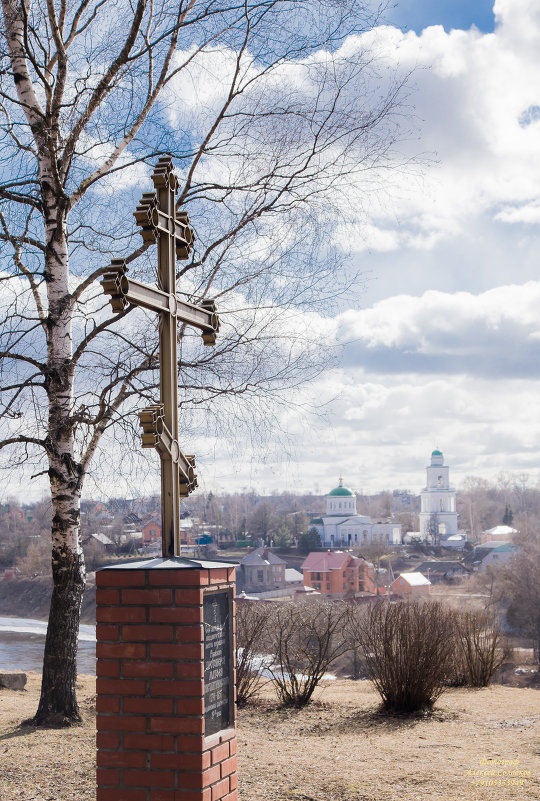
x,y
150,684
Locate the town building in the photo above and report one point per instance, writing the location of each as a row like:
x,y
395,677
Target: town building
x,y
490,554
498,534
447,570
343,527
438,514
411,585
338,574
260,571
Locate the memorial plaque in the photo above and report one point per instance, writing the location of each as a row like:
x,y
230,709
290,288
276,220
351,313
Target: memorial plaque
x,y
217,662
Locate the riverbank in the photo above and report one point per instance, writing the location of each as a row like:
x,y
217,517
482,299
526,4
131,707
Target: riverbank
x,y
337,749
31,598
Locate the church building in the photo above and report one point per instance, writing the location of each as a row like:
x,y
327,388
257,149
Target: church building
x,y
343,527
438,513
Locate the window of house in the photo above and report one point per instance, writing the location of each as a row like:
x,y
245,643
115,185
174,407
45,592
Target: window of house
x,y
260,576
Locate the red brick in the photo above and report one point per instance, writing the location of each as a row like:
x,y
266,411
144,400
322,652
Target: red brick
x,y
159,706
106,794
189,634
190,743
177,725
105,739
218,574
190,706
120,578
106,633
120,723
231,572
233,781
162,795
229,766
108,777
195,687
185,597
107,703
154,633
120,650
181,651
199,778
233,746
193,795
121,614
121,687
189,578
220,789
149,742
230,796
220,752
121,759
108,597
109,668
147,597
189,762
176,614
148,778
147,669
189,670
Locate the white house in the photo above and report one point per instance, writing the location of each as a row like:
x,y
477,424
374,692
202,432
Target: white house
x,y
343,527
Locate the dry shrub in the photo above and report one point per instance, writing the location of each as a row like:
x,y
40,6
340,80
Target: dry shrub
x,y
408,647
306,638
251,634
481,647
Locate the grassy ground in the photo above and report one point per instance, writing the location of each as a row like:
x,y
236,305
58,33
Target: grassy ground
x,y
337,749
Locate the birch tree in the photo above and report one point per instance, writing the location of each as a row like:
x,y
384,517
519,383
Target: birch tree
x,y
271,110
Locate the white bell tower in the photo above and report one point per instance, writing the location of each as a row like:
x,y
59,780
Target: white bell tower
x,y
438,514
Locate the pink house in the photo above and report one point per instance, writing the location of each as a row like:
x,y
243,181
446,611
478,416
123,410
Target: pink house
x,y
411,584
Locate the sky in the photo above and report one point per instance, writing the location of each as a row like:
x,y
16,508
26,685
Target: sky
x,y
442,349
440,345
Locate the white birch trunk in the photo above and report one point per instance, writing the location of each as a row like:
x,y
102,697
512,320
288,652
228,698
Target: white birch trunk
x,y
58,701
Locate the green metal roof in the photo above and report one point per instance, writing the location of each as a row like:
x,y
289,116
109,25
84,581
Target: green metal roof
x,y
341,491
436,453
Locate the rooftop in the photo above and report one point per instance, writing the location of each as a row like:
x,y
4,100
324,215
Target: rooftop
x,y
415,579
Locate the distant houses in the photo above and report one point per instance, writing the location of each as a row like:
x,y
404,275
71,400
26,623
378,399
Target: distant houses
x,y
490,554
444,570
338,574
411,585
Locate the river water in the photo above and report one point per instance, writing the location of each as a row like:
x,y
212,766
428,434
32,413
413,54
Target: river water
x,y
22,641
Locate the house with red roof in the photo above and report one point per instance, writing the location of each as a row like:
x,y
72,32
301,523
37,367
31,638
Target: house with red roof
x,y
338,574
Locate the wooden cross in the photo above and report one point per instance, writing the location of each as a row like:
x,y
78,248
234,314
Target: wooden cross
x,y
161,223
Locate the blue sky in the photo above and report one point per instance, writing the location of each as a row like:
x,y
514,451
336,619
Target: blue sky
x,y
440,344
414,15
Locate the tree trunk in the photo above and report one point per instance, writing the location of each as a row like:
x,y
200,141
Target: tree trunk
x,y
58,701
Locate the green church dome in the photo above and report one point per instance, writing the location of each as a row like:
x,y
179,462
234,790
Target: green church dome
x,y
436,453
341,490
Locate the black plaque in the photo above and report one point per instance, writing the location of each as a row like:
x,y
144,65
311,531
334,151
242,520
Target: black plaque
x,y
217,662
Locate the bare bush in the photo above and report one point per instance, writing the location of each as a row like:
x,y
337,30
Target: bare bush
x,y
251,632
306,638
407,648
481,648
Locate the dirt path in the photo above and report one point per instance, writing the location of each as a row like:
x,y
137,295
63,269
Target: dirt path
x,y
338,749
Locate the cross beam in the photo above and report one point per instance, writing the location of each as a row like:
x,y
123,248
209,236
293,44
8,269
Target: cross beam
x,y
162,224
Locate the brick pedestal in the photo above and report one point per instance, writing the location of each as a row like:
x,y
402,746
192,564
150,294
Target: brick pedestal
x,y
150,684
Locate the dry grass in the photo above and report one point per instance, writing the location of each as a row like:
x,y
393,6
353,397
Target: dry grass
x,y
337,749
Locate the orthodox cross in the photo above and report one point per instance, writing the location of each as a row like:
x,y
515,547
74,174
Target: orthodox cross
x,y
161,223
